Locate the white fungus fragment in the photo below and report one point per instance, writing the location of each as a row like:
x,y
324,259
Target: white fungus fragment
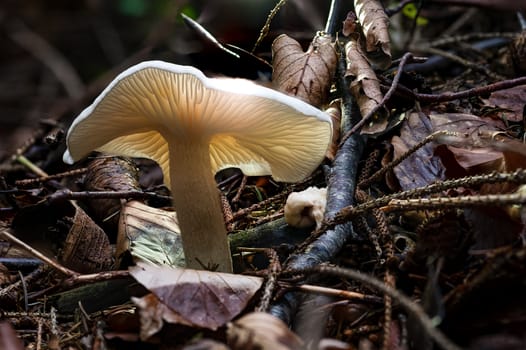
x,y
306,208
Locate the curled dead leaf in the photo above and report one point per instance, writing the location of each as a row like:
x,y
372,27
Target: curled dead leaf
x,y
201,298
478,145
375,26
150,234
305,75
259,330
365,86
153,313
87,247
349,24
110,174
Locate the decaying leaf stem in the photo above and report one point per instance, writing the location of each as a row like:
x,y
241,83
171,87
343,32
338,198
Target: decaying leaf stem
x,y
450,96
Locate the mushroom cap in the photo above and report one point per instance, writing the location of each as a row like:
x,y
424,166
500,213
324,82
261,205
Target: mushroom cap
x,y
257,129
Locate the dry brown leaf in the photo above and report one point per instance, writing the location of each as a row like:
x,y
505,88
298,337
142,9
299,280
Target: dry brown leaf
x,y
478,145
8,337
150,235
87,247
259,330
349,24
202,298
510,103
109,174
365,86
305,75
422,167
375,26
153,313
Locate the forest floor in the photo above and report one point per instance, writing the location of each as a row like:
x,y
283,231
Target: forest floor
x,y
426,247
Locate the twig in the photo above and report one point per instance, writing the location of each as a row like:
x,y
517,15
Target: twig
x,y
29,277
266,27
388,167
455,202
408,304
338,293
467,37
95,277
333,19
64,270
340,190
240,189
24,289
483,90
29,182
206,34
341,185
31,166
348,213
271,279
68,194
456,58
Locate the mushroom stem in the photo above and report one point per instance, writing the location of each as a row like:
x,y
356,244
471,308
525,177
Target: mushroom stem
x,y
198,206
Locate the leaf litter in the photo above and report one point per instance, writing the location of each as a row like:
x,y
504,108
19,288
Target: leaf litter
x,y
439,212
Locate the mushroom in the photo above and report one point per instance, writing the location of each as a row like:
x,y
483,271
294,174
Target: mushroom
x,y
194,126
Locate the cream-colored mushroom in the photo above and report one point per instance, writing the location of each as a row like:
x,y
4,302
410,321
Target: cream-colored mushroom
x,y
194,126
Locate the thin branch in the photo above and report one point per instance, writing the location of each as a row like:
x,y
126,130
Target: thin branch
x,y
478,91
333,19
266,27
428,324
64,270
455,202
68,195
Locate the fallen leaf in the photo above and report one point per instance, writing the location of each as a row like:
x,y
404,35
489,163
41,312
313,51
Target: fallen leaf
x,y
375,26
87,247
349,24
305,75
202,298
109,174
364,86
422,167
153,313
150,234
510,103
8,338
259,330
479,146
